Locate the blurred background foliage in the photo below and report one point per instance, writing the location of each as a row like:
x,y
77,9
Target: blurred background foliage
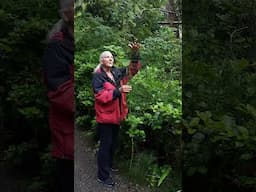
x,y
24,158
218,89
219,105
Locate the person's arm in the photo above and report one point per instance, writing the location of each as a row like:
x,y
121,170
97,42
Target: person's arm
x,y
134,65
57,71
104,92
55,65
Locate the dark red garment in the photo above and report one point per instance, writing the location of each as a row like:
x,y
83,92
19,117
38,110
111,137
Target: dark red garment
x,y
110,105
58,72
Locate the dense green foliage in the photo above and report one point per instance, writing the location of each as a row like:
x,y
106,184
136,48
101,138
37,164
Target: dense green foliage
x,y
151,133
218,79
219,105
23,106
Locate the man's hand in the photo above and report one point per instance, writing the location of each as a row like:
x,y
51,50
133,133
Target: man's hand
x,y
125,88
134,46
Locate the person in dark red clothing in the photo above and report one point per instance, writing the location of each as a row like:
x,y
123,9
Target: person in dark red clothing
x,y
57,66
110,88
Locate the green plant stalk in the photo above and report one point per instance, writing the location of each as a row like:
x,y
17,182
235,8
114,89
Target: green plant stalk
x,y
132,153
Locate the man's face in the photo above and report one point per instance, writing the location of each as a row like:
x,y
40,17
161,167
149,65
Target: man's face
x,y
108,60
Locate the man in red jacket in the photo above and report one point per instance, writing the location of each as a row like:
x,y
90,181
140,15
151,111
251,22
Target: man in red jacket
x,y
110,89
57,66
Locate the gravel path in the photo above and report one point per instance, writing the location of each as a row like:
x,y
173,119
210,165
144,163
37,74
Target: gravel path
x,y
86,168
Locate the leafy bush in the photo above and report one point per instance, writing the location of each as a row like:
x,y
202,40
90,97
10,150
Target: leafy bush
x,y
154,120
219,125
23,101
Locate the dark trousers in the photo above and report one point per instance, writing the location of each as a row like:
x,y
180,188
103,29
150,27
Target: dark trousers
x,y
108,134
65,175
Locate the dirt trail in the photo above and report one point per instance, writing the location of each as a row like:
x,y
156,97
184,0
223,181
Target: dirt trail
x,y
86,168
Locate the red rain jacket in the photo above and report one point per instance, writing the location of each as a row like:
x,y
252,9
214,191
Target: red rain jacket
x,y
58,73
110,104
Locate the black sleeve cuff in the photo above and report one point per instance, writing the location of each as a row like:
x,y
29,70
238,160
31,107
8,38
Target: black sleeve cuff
x,y
116,93
135,56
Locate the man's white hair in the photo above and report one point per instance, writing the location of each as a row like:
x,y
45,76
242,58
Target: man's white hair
x,y
64,4
102,55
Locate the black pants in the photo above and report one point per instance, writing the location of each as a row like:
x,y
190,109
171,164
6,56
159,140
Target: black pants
x,y
65,175
108,134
